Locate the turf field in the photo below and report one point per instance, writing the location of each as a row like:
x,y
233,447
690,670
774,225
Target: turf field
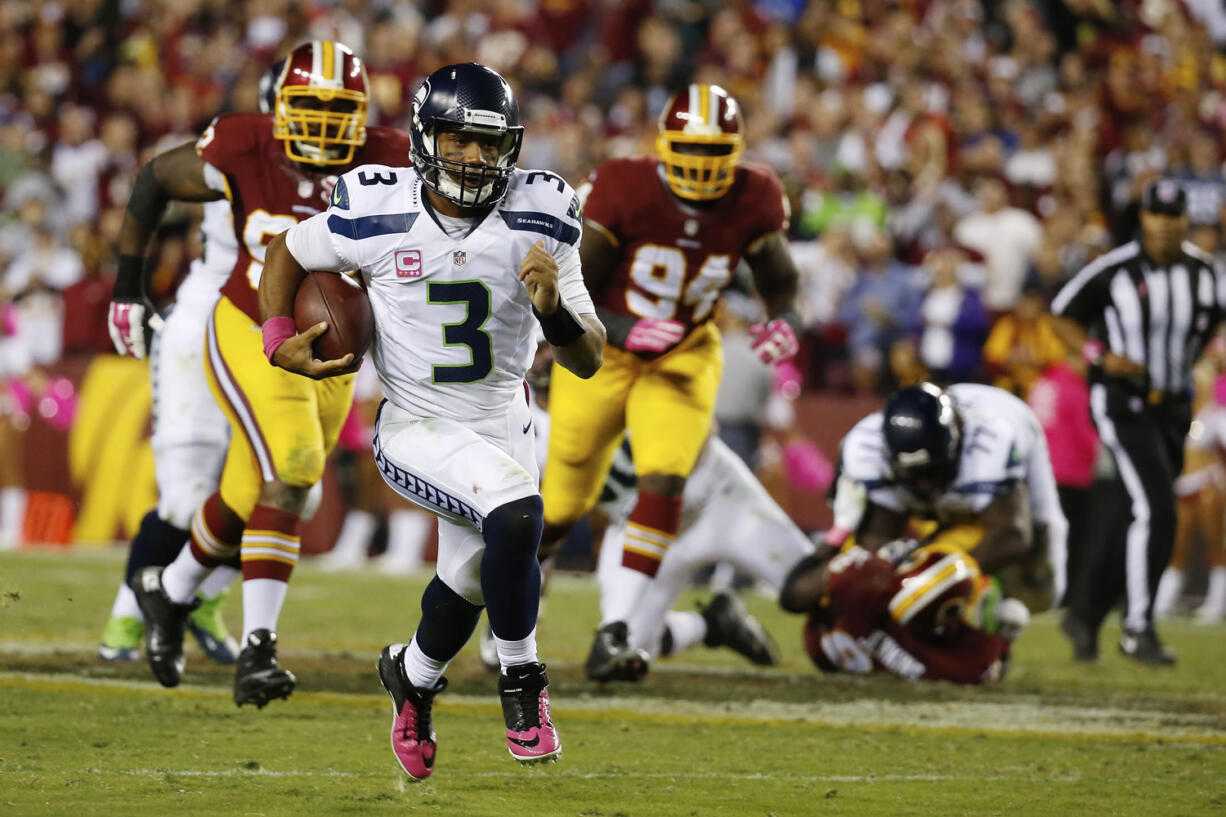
x,y
704,735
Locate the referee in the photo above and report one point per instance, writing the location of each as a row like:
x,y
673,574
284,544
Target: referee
x,y
1141,314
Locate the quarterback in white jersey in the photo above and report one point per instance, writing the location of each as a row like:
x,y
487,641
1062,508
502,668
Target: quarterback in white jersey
x,y
970,454
463,257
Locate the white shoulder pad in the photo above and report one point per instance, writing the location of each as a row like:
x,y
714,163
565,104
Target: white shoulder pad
x,y
542,202
372,201
863,453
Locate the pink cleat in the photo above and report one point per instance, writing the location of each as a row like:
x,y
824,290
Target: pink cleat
x,y
531,737
413,740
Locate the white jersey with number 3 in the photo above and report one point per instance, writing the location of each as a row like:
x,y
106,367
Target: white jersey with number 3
x,y
454,328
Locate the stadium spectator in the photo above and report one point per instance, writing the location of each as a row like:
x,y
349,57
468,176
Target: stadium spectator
x,y
952,321
1006,236
1022,344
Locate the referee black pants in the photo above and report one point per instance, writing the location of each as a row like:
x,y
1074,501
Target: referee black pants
x,y
1129,557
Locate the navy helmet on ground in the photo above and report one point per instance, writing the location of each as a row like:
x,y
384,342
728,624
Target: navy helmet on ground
x,y
470,98
923,438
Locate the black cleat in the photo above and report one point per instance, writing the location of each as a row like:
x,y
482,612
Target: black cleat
x,y
729,624
1083,636
164,624
531,736
1145,647
612,658
258,678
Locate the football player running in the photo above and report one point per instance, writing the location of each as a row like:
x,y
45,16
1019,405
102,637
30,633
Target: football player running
x,y
272,171
908,618
664,236
464,256
971,456
190,433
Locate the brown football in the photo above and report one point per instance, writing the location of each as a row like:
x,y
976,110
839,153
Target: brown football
x,y
339,301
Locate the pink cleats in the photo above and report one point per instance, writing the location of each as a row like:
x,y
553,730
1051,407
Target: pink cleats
x,y
531,737
413,740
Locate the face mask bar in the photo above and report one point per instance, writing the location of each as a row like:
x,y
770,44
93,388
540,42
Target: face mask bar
x,y
699,177
467,184
320,137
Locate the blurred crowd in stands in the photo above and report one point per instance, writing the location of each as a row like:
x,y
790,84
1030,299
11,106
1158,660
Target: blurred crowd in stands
x,y
949,162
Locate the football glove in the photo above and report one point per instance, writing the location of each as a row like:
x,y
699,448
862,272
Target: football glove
x,y
1012,617
774,341
129,323
654,336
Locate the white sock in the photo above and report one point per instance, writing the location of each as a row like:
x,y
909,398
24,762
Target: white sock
x,y
688,629
423,671
12,516
125,605
406,537
514,653
620,594
1170,586
262,600
1215,596
354,537
218,581
183,576
723,576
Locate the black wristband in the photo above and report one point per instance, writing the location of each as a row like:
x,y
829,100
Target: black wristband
x,y
561,328
129,278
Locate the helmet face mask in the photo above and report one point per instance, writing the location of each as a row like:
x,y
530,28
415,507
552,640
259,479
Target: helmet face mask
x,y
477,103
321,104
700,142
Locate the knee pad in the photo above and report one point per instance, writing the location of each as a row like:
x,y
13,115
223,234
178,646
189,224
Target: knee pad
x,y
515,526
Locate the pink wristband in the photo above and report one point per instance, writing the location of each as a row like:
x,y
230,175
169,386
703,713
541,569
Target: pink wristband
x,y
276,331
1092,352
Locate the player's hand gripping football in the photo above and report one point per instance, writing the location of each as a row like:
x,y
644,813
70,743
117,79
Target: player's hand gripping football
x,y
539,272
130,324
297,355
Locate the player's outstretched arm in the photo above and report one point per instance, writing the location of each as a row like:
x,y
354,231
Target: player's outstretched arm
x,y
578,340
176,175
285,348
1007,529
778,283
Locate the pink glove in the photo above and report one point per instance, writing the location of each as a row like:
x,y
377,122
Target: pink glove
x,y
126,323
651,335
806,467
774,341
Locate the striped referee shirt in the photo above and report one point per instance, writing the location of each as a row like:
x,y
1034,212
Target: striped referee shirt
x,y
1161,316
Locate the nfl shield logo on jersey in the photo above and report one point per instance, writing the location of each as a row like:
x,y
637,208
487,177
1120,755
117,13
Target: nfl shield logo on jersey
x,y
459,257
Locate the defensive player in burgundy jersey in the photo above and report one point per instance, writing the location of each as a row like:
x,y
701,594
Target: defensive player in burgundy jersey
x,y
907,619
663,237
274,171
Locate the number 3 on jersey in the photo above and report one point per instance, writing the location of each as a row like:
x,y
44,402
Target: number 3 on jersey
x,y
261,228
660,272
469,332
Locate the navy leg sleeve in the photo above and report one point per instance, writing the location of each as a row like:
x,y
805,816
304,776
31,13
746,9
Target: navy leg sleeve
x,y
156,544
447,621
510,572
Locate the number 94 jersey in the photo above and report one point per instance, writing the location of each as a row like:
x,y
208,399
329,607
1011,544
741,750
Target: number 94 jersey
x,y
454,329
677,259
267,192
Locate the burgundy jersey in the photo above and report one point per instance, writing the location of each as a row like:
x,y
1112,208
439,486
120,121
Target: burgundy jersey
x,y
854,632
676,259
269,194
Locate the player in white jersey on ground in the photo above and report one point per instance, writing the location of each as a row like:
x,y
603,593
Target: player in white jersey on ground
x,y
190,433
970,454
463,256
726,516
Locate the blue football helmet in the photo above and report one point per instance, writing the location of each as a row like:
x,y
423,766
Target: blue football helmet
x,y
270,84
472,98
923,439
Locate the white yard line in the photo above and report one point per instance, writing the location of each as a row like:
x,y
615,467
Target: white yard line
x,y
1028,717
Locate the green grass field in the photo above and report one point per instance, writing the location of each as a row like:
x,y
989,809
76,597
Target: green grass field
x,y
706,734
